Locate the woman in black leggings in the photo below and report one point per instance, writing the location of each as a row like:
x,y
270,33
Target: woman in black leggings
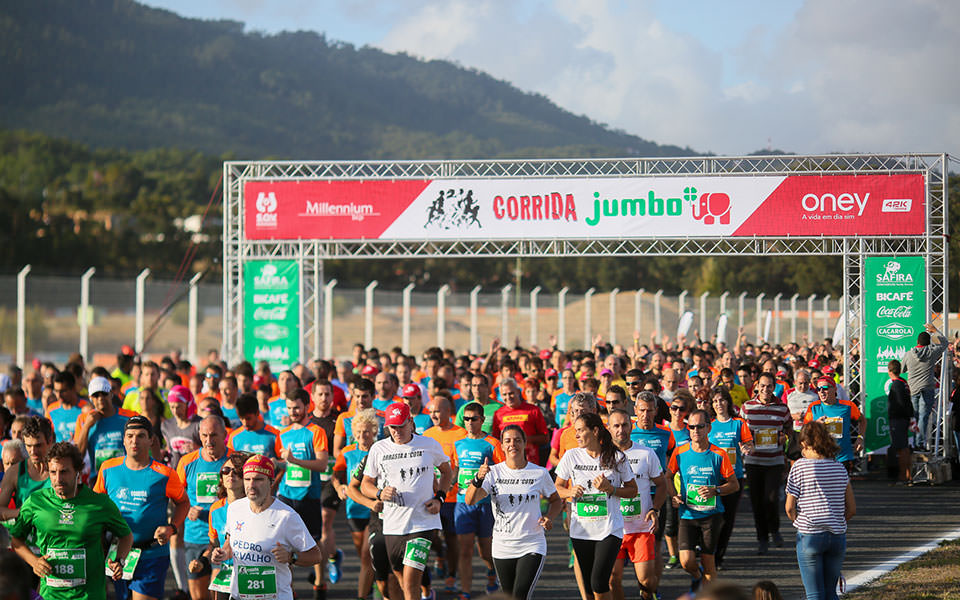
x,y
593,477
515,487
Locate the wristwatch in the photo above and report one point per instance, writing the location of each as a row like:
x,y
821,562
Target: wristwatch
x,y
293,558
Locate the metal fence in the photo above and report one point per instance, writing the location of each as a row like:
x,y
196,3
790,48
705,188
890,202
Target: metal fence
x,y
50,324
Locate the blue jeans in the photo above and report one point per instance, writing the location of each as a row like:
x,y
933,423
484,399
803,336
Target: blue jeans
x,y
820,557
923,402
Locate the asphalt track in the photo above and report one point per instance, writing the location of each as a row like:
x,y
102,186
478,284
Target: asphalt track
x,y
889,522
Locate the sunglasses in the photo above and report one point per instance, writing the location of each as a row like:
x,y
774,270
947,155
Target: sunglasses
x,y
229,471
823,388
634,382
473,418
675,407
701,426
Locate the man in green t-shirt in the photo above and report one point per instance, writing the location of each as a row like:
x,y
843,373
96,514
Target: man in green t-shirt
x,y
480,392
69,520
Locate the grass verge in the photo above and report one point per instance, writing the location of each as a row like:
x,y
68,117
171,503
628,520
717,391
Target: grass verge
x,y
933,576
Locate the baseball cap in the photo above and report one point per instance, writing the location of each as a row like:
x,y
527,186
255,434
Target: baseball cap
x,y
606,372
398,413
551,373
180,393
545,354
369,370
828,370
826,381
99,385
127,350
781,373
411,390
813,364
138,422
259,463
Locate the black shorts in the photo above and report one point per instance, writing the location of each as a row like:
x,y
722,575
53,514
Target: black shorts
x,y
447,520
329,498
309,511
899,428
358,524
704,532
397,545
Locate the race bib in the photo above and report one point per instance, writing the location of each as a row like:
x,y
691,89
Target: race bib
x,y
129,565
207,487
69,568
732,455
222,581
417,553
325,475
256,583
767,438
630,509
592,506
297,476
465,476
834,426
697,502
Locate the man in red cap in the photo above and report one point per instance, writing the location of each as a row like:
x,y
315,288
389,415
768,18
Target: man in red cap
x,y
410,395
480,392
400,473
264,537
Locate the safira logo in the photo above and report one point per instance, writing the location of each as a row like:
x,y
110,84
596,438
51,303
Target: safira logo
x,y
266,209
892,275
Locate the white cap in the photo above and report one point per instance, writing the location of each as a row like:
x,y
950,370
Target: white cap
x,y
99,385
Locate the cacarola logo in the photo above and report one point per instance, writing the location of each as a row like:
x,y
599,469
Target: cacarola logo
x,y
266,209
844,202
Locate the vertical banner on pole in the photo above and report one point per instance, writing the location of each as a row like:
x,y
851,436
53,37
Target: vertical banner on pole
x,y
271,309
894,313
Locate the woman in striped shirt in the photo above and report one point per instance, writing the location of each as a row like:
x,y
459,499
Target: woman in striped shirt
x,y
819,502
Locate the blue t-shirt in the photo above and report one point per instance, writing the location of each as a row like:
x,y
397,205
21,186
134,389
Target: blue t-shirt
x,y
728,437
381,405
276,411
560,408
352,457
232,416
36,405
839,421
64,420
105,440
303,443
422,422
200,477
679,437
470,454
218,522
255,441
711,468
657,439
142,496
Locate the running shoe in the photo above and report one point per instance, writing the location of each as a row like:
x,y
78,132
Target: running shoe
x,y
463,596
492,583
334,572
695,583
673,562
778,540
763,547
432,596
450,585
320,593
441,569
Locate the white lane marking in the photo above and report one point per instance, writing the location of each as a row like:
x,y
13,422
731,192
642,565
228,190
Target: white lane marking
x,y
865,577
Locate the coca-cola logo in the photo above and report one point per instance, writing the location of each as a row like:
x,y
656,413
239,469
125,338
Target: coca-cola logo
x,y
895,312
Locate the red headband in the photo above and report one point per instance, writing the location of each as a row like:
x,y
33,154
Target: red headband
x,y
259,463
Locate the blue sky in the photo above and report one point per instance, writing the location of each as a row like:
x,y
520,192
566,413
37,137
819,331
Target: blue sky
x,y
727,77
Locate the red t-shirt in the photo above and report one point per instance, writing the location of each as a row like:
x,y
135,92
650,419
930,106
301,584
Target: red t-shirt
x,y
529,418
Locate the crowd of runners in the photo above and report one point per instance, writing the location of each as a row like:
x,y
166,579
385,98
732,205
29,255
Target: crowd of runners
x,y
229,475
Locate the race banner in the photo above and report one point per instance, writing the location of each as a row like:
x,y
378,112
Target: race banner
x,y
271,309
894,312
585,208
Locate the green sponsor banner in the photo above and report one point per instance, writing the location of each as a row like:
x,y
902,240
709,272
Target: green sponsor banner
x,y
271,312
895,300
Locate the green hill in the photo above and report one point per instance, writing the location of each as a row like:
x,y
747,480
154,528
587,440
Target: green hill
x,y
114,73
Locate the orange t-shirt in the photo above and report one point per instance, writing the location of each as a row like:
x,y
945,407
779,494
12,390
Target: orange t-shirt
x,y
447,439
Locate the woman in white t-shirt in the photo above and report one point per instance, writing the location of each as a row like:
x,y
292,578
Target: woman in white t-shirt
x,y
593,477
515,487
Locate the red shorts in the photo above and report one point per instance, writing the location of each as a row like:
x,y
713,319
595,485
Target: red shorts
x,y
639,547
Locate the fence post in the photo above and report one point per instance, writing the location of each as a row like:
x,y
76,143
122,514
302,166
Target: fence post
x,y
760,316
504,307
613,315
474,333
442,315
723,302
656,313
84,309
826,316
637,305
562,317
368,313
328,319
141,293
810,317
682,303
533,315
22,315
587,316
405,318
703,315
793,317
741,301
776,317
193,304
